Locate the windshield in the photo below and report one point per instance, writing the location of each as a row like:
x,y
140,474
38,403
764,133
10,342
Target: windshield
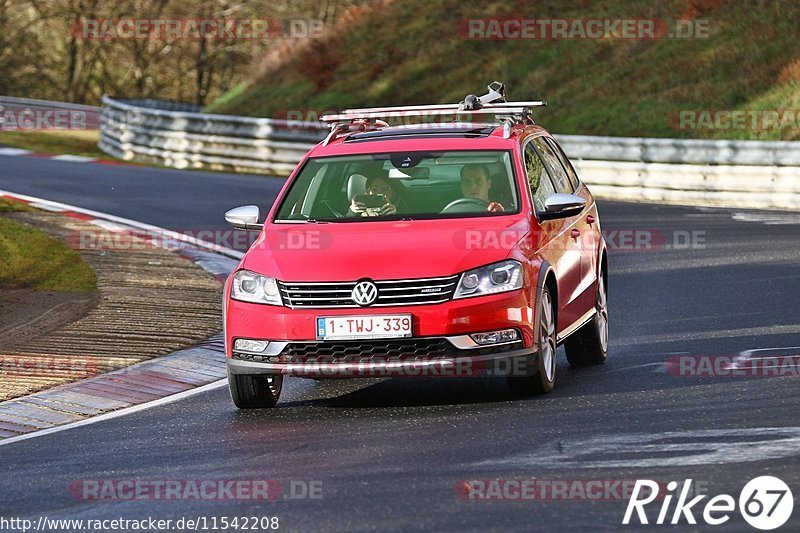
x,y
402,185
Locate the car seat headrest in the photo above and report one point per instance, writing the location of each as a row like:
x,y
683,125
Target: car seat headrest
x,y
356,184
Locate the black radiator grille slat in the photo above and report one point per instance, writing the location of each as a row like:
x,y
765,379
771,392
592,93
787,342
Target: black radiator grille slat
x,y
390,293
380,350
375,351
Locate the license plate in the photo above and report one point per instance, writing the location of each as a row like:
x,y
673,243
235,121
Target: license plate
x,y
363,327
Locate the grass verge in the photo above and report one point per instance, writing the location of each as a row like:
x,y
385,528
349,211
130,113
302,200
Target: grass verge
x,y
73,142
30,259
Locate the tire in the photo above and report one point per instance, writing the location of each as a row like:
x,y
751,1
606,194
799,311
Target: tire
x,y
589,345
254,391
545,378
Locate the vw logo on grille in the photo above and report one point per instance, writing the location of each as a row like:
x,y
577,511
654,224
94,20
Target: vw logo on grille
x,y
365,293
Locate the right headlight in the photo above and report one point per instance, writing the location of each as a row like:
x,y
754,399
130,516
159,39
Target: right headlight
x,y
251,287
491,279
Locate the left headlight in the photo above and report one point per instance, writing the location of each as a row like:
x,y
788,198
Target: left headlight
x,y
251,287
498,277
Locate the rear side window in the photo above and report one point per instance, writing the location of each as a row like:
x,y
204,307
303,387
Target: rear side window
x,y
554,166
571,174
538,180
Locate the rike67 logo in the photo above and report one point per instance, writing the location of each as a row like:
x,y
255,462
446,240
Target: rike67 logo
x,y
765,503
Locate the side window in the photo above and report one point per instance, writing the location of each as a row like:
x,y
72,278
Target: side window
x,y
538,179
553,166
571,174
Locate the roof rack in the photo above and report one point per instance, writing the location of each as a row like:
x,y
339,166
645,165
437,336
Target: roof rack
x,y
493,104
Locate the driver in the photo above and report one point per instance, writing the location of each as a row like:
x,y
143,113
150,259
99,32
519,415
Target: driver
x,y
476,183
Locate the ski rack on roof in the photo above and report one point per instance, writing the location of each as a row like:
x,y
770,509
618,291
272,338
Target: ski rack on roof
x,y
492,104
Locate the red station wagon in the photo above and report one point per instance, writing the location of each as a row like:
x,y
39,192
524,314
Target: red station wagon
x,y
461,248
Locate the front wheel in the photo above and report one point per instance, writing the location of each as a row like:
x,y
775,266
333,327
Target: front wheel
x,y
254,391
589,345
544,379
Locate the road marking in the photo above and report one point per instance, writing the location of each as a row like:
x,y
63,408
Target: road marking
x,y
664,449
770,219
748,355
115,414
657,338
73,158
50,208
110,226
776,349
660,368
14,151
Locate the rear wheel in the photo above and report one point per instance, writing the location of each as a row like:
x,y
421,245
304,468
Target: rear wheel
x,y
544,379
589,345
253,391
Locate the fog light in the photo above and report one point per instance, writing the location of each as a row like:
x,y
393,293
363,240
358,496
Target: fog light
x,y
495,337
250,345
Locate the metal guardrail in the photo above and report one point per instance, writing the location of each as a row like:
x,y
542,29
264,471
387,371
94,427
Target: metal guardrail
x,y
38,104
188,139
27,114
682,151
748,186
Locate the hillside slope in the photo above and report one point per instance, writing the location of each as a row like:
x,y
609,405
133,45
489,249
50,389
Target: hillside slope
x,y
416,51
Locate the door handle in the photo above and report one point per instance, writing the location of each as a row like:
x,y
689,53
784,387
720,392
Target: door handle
x,y
575,234
590,219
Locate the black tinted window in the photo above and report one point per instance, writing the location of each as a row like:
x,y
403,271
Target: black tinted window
x,y
554,166
571,174
538,180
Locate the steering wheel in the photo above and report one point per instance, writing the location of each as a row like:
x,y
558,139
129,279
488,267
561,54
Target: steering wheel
x,y
465,205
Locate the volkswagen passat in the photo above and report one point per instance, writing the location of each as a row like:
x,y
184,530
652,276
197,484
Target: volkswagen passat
x,y
454,249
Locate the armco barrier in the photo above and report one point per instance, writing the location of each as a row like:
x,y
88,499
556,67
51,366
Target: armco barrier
x,y
749,186
682,151
704,172
188,139
26,113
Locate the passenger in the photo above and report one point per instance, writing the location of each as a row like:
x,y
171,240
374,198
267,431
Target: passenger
x,y
476,183
375,185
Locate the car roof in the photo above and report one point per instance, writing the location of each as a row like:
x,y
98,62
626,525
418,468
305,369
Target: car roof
x,y
441,136
457,129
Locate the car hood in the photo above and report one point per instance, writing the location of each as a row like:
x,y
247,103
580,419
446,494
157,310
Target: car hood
x,y
348,251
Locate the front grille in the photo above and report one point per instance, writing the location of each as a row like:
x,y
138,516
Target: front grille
x,y
390,293
381,350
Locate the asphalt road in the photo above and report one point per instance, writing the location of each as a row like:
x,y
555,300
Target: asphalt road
x,y
394,454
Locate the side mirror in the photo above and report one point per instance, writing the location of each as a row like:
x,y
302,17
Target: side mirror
x,y
244,217
562,205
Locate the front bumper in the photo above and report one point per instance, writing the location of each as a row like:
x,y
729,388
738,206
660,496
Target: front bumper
x,y
514,363
462,359
450,319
